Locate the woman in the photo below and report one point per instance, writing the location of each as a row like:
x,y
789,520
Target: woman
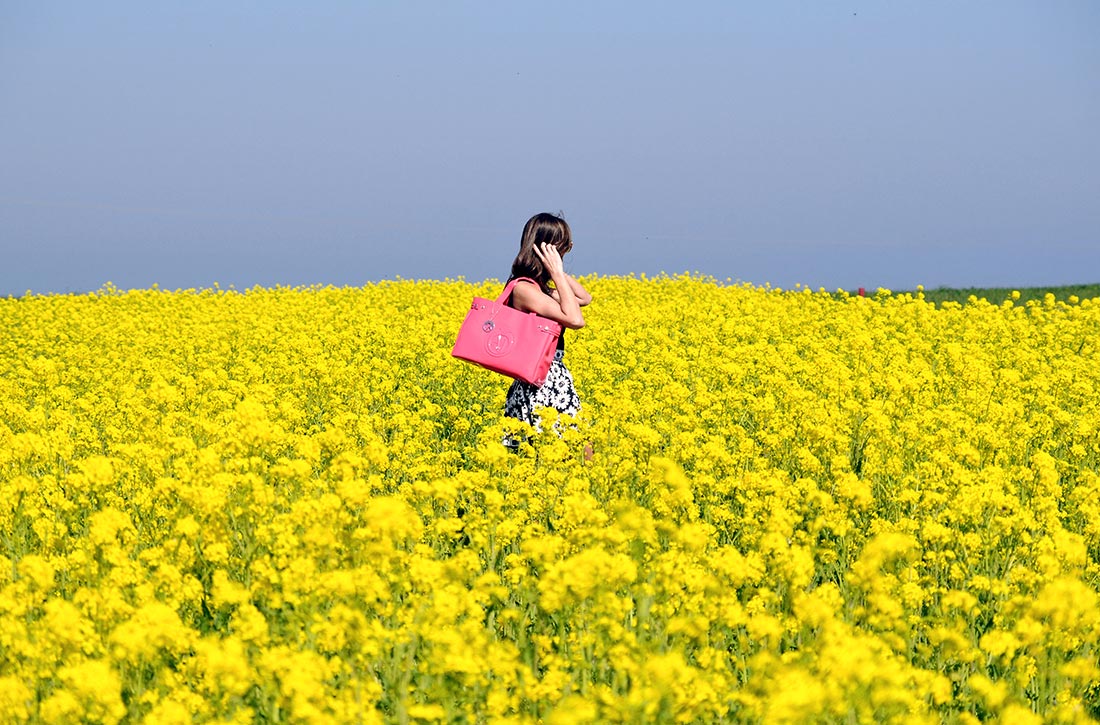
x,y
546,239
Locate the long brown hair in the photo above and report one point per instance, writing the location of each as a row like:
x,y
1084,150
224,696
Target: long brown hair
x,y
541,228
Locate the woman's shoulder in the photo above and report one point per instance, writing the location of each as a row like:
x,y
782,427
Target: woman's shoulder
x,y
526,290
526,284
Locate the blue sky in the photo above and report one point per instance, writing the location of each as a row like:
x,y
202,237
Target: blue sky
x,y
835,144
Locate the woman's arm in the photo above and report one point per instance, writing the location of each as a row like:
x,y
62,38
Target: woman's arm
x,y
582,295
565,308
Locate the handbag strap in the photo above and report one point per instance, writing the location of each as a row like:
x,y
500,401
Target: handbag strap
x,y
503,299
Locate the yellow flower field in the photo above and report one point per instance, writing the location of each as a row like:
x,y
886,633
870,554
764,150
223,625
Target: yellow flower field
x,y
292,505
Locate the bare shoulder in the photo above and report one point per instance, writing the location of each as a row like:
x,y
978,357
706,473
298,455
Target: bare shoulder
x,y
529,297
527,285
526,291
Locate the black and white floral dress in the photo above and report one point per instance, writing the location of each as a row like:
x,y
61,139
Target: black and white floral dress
x,y
557,392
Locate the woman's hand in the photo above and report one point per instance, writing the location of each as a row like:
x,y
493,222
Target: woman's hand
x,y
550,259
562,307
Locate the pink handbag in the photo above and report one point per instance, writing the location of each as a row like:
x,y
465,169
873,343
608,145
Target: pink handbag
x,y
502,339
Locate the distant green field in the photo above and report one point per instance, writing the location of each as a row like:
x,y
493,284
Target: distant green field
x,y
996,295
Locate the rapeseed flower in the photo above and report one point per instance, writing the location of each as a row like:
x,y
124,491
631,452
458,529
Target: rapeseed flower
x,y
266,505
